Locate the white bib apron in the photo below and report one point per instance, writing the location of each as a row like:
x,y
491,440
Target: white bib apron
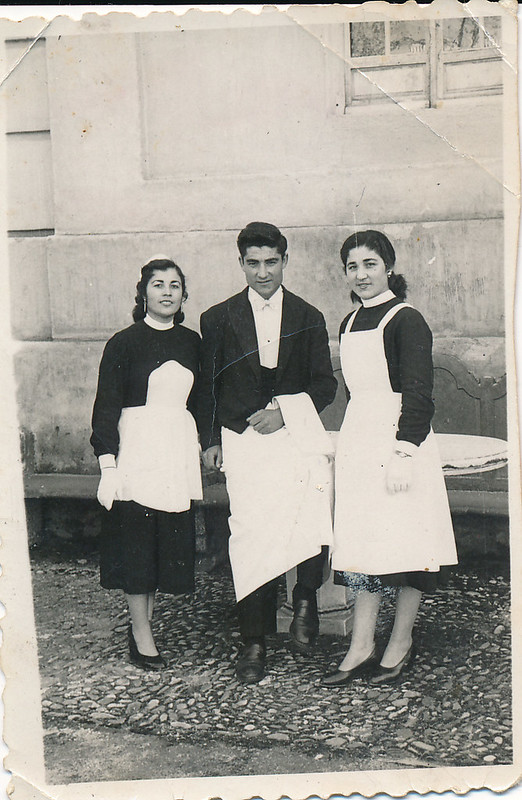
x,y
158,461
375,532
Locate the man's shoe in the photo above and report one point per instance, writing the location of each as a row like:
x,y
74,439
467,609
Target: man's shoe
x,y
304,626
251,663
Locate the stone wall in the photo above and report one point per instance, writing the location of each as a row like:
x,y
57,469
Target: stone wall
x,y
139,143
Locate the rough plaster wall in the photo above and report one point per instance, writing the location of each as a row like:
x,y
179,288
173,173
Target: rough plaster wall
x,y
87,291
131,178
115,125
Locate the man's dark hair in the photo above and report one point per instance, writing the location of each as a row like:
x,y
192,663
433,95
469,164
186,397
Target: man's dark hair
x,y
261,234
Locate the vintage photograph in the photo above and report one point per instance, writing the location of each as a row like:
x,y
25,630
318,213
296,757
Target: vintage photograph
x,y
260,399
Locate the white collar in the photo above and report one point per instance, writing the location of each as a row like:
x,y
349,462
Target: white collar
x,y
158,326
381,298
276,301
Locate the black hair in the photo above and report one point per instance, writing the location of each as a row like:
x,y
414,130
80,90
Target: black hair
x,y
156,265
261,234
380,244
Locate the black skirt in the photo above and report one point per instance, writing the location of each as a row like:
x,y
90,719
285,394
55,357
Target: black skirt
x,y
143,550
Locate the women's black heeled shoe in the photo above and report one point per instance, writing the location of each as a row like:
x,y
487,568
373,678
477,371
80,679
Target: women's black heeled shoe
x,y
343,676
139,660
389,674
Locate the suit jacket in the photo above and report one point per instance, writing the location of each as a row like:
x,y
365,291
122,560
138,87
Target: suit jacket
x,y
230,387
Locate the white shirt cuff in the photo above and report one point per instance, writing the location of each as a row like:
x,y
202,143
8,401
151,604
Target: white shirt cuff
x,y
402,446
106,460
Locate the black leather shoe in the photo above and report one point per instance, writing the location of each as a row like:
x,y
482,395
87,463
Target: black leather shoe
x,y
251,663
304,626
343,676
390,674
139,660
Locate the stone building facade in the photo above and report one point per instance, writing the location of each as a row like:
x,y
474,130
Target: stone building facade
x,y
127,142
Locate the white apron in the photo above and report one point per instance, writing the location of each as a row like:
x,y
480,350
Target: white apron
x,y
280,487
158,461
375,532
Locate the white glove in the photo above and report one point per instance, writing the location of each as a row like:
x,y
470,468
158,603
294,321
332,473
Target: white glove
x,y
109,481
399,473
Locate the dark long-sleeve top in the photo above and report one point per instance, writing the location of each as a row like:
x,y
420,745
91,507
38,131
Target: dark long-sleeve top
x,y
231,383
408,349
128,359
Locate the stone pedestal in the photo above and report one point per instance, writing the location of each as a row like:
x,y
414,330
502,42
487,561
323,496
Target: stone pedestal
x,y
335,605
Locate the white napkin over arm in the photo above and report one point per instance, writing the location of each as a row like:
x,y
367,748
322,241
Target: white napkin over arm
x,y
304,424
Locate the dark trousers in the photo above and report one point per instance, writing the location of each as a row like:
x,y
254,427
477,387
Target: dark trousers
x,y
257,611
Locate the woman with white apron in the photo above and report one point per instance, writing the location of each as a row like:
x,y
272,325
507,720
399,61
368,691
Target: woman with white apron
x,y
145,438
393,528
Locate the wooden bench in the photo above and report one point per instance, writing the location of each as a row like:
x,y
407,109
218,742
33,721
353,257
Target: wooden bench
x,y
40,487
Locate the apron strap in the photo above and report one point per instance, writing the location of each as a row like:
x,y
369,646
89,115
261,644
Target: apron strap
x,y
350,321
391,313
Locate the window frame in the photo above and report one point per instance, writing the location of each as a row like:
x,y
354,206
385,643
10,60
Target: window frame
x,y
462,55
433,59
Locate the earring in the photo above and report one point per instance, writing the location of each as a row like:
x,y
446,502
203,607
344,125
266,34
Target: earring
x,y
389,274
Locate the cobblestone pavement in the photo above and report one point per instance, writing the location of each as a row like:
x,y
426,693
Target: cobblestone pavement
x,y
453,706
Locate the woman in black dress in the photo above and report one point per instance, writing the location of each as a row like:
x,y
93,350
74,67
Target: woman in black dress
x,y
145,438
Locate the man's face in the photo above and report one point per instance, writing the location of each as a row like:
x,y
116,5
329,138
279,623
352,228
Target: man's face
x,y
263,268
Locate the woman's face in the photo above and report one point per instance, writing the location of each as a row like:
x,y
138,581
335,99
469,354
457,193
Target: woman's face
x,y
164,294
366,273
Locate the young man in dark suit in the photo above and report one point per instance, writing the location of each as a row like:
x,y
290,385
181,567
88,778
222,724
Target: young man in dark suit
x,y
261,345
